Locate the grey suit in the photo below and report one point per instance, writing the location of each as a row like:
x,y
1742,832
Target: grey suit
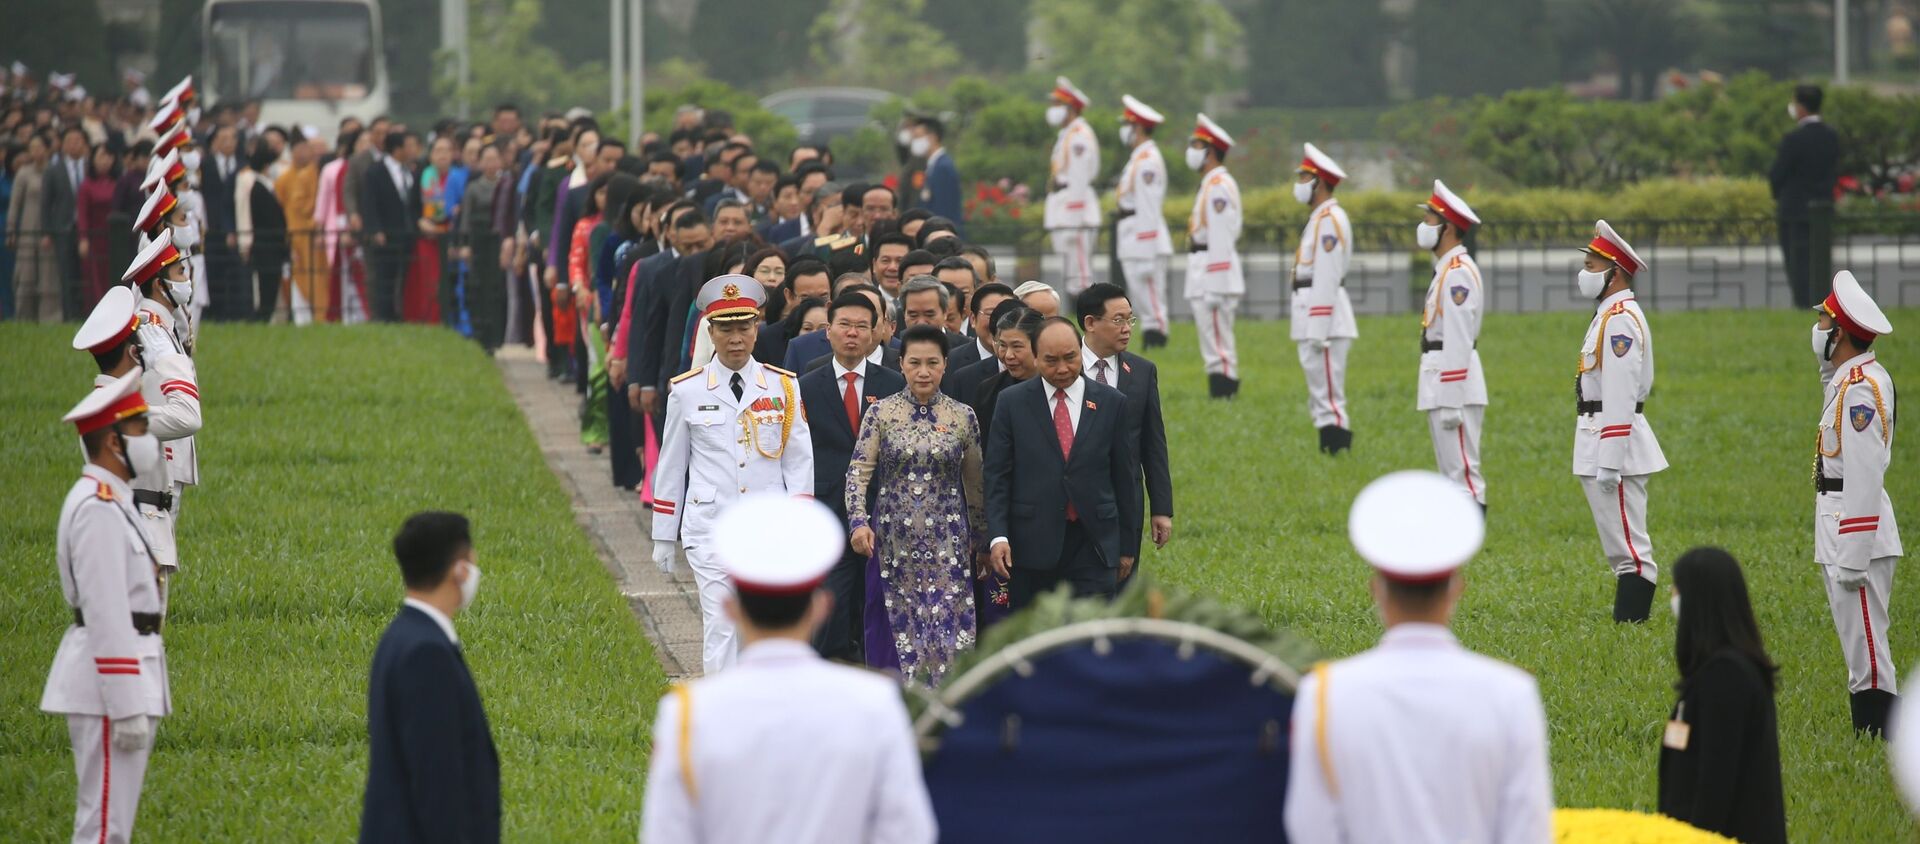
x,y
60,214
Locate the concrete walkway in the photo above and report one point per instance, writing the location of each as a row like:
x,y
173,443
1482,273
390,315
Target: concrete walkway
x,y
666,605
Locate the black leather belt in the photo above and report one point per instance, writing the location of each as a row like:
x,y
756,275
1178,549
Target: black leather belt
x,y
154,498
1589,408
1302,285
1822,483
1196,247
144,623
1123,213
1435,345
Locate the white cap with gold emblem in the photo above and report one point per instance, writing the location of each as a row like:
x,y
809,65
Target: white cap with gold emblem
x,y
773,544
1415,526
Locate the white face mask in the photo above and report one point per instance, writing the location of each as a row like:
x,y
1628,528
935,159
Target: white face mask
x,y
1126,134
1591,283
903,137
181,291
1426,236
186,237
191,158
143,455
470,586
1303,192
920,146
1821,343
1675,603
1056,114
1196,157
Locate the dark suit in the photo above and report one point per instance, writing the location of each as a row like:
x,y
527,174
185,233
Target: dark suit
x,y
384,210
805,349
889,359
963,382
674,294
60,213
432,774
942,193
956,340
1029,487
643,354
1139,381
962,356
227,276
1802,178
1727,780
833,438
780,232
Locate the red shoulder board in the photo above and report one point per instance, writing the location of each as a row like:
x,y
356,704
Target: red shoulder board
x,y
104,493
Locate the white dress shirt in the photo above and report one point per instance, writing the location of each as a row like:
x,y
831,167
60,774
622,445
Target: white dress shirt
x,y
399,174
859,376
1088,366
440,618
1076,395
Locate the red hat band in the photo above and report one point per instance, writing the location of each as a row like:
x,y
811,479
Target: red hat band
x,y
1212,140
128,405
107,345
1324,176
1455,217
1609,250
800,588
1846,323
152,224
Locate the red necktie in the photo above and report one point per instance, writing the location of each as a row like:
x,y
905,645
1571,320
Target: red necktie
x,y
1063,427
851,399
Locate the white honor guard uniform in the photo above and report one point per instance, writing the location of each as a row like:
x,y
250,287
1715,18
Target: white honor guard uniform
x,y
1419,739
173,405
186,225
1323,325
161,334
1452,391
727,434
1141,239
1072,213
1216,278
1855,538
109,677
785,746
1614,450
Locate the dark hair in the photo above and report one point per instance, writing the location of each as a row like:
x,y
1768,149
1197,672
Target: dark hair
x,y
993,288
1040,327
1012,315
692,218
262,158
892,239
892,198
942,248
594,187
853,298
981,253
616,143
955,295
912,214
958,263
924,334
764,166
759,257
350,138
396,140
1716,614
916,258
773,612
1092,302
935,225
504,107
790,325
808,266
810,167
1422,596
846,261
850,195
141,149
784,181
664,157
1809,97
427,545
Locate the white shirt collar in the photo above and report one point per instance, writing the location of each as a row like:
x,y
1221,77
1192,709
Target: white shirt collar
x,y
986,352
1075,391
1088,358
1811,118
840,372
777,650
879,354
440,618
1419,635
1458,249
1617,297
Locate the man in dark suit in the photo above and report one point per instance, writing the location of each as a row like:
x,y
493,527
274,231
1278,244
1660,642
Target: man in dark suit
x,y
226,272
645,380
60,213
979,345
810,351
835,396
432,774
806,279
1107,319
390,211
1802,179
941,193
964,382
1060,480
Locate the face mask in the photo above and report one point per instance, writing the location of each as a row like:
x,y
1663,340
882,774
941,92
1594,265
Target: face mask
x,y
903,137
1303,192
182,293
191,158
1126,134
920,146
1675,603
143,454
186,237
1056,115
1791,114
1591,283
1822,343
470,586
1426,236
1196,157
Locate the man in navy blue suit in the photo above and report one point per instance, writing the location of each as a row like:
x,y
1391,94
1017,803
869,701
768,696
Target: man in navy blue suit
x,y
432,774
1060,477
941,193
835,396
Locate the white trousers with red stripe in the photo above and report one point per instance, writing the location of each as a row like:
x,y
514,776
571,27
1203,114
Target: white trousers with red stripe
x,y
1147,288
1458,451
719,641
1213,317
109,781
1860,617
1075,248
1621,517
1327,382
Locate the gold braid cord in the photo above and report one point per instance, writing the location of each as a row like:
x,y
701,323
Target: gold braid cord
x,y
1600,338
750,430
684,693
1840,413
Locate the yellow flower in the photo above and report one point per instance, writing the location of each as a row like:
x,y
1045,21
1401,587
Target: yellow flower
x,y
1615,826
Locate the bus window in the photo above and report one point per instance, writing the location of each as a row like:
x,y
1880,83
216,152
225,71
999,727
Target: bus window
x,y
290,50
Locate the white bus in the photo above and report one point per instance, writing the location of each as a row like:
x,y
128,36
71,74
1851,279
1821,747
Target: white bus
x,y
306,61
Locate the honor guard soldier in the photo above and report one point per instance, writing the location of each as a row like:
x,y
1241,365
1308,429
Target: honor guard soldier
x,y
120,343
785,746
1418,739
170,172
1855,539
163,214
109,676
1614,450
1072,214
1452,391
733,427
1141,240
157,277
1323,323
1216,279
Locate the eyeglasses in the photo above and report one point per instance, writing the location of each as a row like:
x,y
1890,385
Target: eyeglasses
x,y
1124,322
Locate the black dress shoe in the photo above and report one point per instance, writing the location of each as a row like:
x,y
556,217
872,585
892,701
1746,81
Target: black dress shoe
x,y
1632,598
1871,709
1154,339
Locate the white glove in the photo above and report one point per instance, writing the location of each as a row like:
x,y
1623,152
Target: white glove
x,y
134,732
1319,344
1609,479
1450,418
664,553
1848,579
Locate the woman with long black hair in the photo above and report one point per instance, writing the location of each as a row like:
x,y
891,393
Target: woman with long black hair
x,y
1720,752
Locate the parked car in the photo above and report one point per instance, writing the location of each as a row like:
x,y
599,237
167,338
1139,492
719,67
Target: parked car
x,y
822,114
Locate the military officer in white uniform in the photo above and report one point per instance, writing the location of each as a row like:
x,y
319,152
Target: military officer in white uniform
x,y
1323,325
1216,278
1141,239
109,677
1614,450
187,223
733,427
785,746
1855,539
120,343
1072,213
157,276
1418,739
1452,391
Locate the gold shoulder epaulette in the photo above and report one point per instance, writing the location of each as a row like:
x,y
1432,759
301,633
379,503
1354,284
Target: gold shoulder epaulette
x,y
104,493
779,370
685,375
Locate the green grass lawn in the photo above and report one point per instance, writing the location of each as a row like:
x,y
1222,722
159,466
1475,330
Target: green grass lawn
x,y
319,442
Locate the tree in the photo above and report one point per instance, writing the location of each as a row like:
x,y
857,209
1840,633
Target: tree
x,y
990,34
745,42
509,65
1780,37
1322,54
64,38
880,42
1172,53
1466,47
1643,37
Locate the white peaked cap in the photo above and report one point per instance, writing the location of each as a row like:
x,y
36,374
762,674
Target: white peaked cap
x,y
774,544
1415,526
